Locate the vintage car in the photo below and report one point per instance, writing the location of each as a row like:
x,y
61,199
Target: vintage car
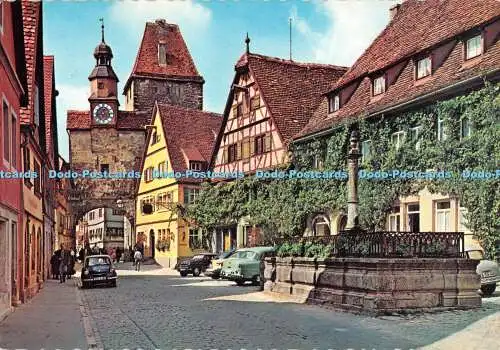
x,y
98,269
487,269
196,265
244,265
213,270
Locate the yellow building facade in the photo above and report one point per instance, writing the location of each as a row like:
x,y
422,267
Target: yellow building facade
x,y
166,235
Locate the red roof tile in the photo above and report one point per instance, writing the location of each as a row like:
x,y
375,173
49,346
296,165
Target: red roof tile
x,y
49,91
408,35
405,89
179,61
189,133
418,25
31,11
127,120
291,90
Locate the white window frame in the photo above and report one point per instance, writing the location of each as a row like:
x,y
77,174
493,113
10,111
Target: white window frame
x,y
394,220
398,139
6,129
195,166
446,215
379,85
477,51
463,122
408,212
424,67
442,135
333,103
318,161
366,151
13,141
415,135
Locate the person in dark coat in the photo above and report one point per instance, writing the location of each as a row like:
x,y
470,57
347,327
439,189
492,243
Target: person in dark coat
x,y
81,255
118,254
64,262
54,264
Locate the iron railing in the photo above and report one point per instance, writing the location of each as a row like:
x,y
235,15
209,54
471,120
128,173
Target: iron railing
x,y
385,244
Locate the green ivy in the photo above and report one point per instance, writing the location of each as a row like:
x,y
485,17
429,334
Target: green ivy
x,y
281,207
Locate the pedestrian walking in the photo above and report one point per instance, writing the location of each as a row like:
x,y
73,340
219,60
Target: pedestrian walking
x,y
71,266
54,264
63,264
118,254
137,260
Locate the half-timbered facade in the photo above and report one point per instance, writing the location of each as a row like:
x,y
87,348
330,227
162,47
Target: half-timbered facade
x,y
270,100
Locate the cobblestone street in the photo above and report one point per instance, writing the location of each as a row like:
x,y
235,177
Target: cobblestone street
x,y
150,311
157,309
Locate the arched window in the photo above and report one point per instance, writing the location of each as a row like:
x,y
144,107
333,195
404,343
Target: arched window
x,y
342,223
33,245
321,225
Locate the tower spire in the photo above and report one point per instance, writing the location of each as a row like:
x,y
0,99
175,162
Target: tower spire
x,y
102,29
247,42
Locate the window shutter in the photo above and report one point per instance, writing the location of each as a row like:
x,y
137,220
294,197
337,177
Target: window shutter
x,y
238,150
267,143
252,146
224,155
235,111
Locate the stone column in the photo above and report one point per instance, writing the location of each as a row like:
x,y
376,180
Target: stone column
x,y
352,185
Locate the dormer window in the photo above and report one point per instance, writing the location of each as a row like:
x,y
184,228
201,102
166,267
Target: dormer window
x,y
473,47
196,166
379,85
333,103
424,68
162,53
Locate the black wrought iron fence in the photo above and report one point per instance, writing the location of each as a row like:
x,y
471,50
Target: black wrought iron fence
x,y
375,244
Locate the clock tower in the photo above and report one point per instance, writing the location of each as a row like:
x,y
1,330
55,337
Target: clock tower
x,y
103,87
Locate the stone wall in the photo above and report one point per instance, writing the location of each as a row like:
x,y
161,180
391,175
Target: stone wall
x,y
185,93
121,150
377,285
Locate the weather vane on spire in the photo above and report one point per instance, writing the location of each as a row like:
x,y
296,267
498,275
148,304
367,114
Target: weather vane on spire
x,y
247,41
102,28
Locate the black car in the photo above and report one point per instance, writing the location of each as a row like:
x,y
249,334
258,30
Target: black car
x,y
196,265
98,269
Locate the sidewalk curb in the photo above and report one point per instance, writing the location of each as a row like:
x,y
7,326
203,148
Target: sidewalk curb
x,y
92,337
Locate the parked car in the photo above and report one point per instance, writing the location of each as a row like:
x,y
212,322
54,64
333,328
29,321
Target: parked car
x,y
487,269
98,269
213,270
244,265
196,265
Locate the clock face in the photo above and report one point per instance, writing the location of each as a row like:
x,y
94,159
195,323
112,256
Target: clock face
x,y
103,113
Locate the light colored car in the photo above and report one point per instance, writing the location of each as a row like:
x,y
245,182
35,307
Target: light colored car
x,y
244,265
487,269
213,270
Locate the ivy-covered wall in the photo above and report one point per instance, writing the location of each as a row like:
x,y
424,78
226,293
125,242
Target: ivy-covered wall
x,y
282,206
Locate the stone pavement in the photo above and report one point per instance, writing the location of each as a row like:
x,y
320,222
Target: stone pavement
x,y
51,320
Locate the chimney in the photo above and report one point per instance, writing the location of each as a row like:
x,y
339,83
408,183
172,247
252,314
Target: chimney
x,y
393,11
161,21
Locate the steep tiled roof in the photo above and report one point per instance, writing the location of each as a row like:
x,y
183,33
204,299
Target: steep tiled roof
x,y
31,11
179,61
189,133
291,90
420,24
446,18
127,120
49,91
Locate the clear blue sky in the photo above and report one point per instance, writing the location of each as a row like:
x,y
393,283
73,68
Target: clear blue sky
x,y
333,31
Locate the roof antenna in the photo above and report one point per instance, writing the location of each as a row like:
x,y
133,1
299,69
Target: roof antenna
x,y
247,42
290,21
102,29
